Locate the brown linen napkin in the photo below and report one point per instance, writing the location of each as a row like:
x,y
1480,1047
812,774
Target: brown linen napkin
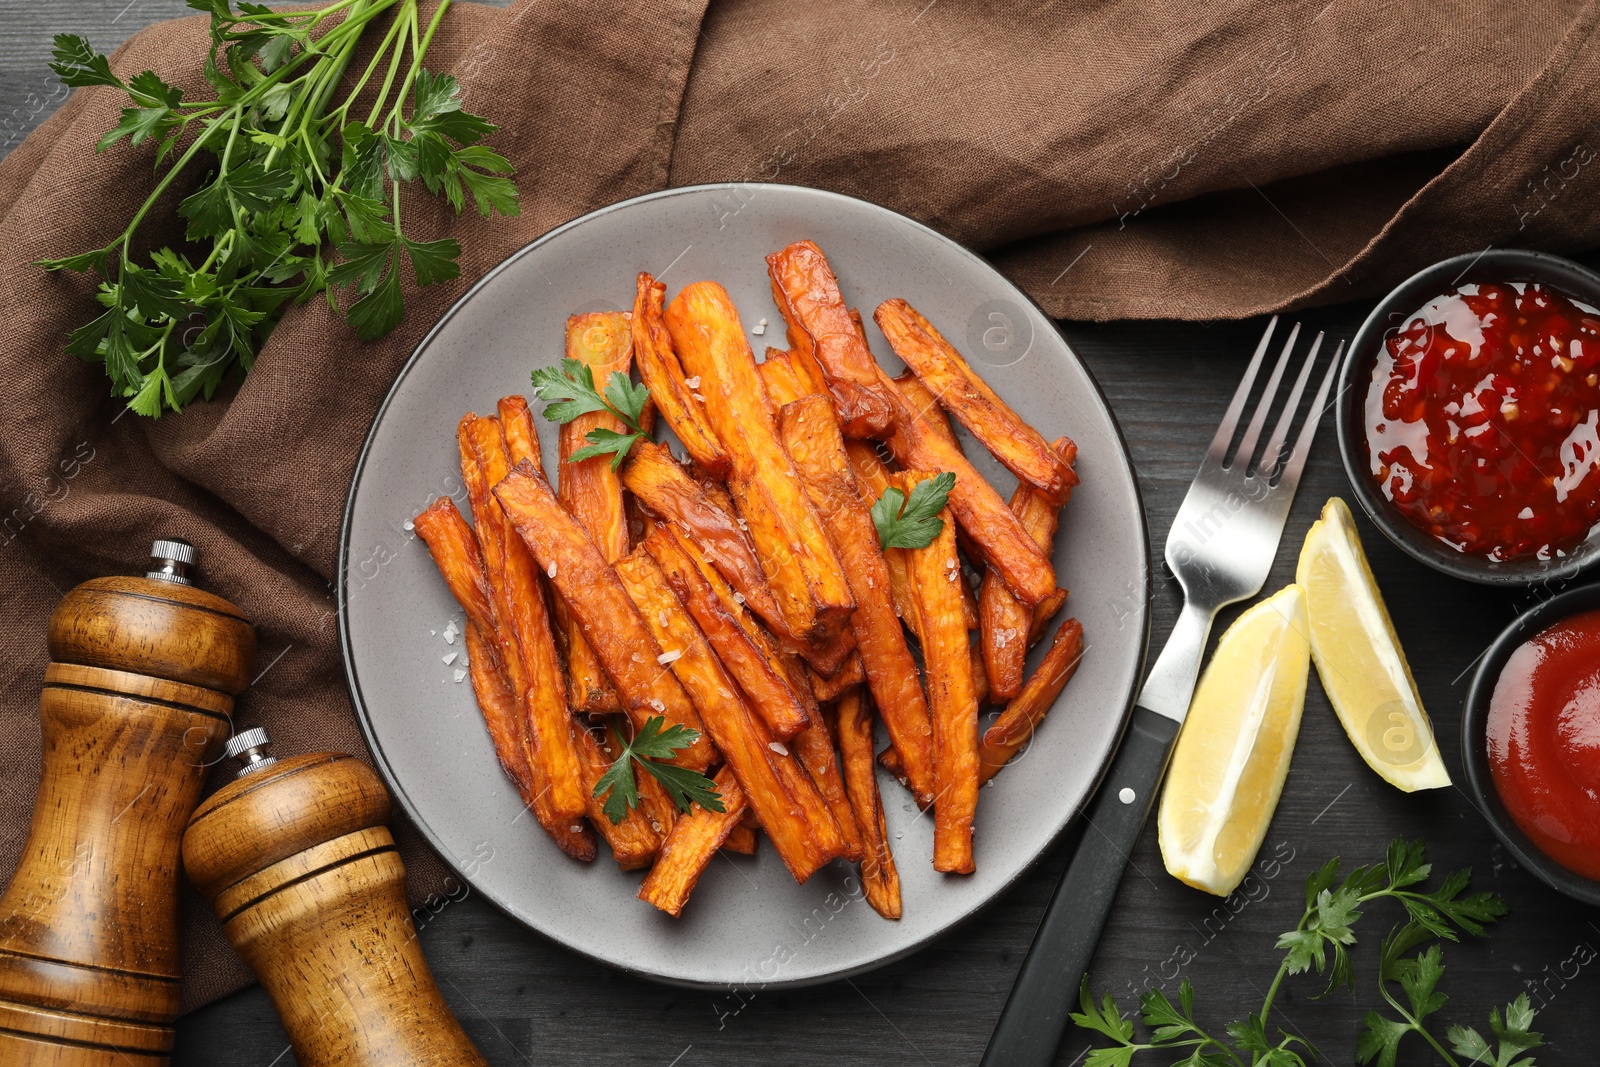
x,y
1130,160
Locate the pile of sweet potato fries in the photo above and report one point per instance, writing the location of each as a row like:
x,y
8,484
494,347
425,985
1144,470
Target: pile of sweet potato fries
x,y
744,593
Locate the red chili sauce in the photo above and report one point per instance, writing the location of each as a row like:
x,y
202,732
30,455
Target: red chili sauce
x,y
1544,741
1483,420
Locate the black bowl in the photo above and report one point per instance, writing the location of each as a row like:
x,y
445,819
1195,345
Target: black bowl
x,y
1475,742
1503,265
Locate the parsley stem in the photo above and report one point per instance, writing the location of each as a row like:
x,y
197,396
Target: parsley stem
x,y
227,149
377,57
331,9
161,187
407,14
418,49
1415,1024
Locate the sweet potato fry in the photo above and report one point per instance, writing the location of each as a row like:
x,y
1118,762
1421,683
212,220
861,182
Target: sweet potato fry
x,y
516,423
952,702
742,838
1005,546
633,841
779,378
641,520
656,479
1022,716
739,734
980,681
778,675
595,597
927,405
1005,627
591,490
660,370
964,393
505,723
828,687
657,806
807,293
689,847
719,618
873,476
455,550
812,435
814,745
520,605
801,567
880,881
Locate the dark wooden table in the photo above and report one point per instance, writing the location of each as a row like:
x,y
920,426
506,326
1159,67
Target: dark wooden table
x,y
526,1001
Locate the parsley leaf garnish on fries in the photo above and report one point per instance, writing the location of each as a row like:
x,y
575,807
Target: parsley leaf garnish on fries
x,y
912,523
650,744
571,392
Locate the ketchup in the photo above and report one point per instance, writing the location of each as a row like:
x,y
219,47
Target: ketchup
x,y
1544,741
1483,420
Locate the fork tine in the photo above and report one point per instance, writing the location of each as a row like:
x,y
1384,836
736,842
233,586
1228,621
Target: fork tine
x,y
1247,444
1230,421
1302,447
1270,455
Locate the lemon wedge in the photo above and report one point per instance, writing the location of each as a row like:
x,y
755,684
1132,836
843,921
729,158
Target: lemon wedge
x,y
1359,660
1233,754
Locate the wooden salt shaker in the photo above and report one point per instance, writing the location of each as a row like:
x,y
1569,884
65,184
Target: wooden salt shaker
x,y
297,861
135,708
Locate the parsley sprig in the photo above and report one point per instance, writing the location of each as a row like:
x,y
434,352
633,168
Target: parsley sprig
x,y
913,522
572,392
650,744
1321,941
293,172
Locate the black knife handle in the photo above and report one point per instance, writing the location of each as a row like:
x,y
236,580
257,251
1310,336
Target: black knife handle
x,y
1035,1015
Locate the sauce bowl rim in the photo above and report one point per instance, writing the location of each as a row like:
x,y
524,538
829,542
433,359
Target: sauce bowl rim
x,y
1505,264
1481,789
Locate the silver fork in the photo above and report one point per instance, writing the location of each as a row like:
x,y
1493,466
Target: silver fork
x,y
1220,548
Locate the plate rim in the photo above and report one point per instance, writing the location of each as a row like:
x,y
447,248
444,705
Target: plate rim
x,y
397,792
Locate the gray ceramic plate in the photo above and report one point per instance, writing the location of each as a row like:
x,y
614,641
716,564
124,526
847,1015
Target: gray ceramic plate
x,y
748,923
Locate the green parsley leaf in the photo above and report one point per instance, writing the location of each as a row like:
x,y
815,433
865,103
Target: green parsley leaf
x,y
1104,1018
149,90
362,265
1512,1038
152,293
684,786
570,390
95,260
381,309
138,125
1420,981
625,399
1380,1041
621,792
77,63
650,744
604,442
491,193
912,523
438,110
434,261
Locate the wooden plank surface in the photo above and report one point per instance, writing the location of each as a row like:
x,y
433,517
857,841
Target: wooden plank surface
x,y
525,1001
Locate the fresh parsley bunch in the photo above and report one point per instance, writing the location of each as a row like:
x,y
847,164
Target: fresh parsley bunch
x,y
293,171
1321,941
652,743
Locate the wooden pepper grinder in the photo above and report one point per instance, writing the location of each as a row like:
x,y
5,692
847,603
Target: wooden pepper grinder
x,y
135,708
295,857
